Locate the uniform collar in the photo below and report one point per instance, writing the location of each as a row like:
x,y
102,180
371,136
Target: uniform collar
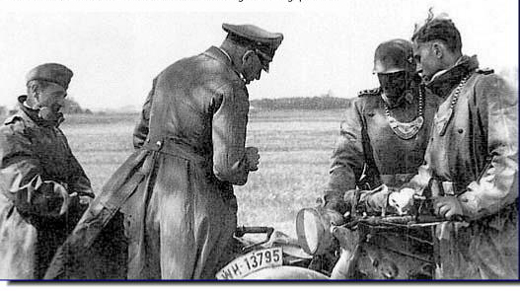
x,y
34,116
223,57
224,52
443,82
220,55
407,96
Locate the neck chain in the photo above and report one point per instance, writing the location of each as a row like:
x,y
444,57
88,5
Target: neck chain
x,y
407,130
444,124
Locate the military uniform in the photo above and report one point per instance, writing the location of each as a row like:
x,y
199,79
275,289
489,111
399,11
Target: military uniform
x,y
37,169
176,190
473,155
382,141
368,153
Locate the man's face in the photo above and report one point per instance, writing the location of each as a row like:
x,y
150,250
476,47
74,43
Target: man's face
x,y
52,97
427,62
252,67
393,84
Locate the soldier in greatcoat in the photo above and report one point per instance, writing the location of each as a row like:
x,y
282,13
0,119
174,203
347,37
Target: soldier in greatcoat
x,y
43,188
471,164
175,191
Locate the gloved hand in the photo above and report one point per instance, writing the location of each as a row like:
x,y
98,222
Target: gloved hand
x,y
374,201
351,197
59,189
401,201
448,207
334,201
77,204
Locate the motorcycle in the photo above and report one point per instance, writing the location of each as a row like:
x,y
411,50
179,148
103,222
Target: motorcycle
x,y
386,235
375,247
359,245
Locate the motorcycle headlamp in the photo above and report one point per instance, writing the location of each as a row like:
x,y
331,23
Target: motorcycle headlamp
x,y
313,229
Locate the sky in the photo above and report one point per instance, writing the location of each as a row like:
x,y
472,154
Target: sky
x,y
116,48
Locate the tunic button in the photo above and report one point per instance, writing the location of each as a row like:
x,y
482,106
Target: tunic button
x,y
461,130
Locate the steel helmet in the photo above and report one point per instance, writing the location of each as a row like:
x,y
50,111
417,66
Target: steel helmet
x,y
394,56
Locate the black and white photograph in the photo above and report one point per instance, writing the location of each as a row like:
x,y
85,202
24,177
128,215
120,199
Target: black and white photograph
x,y
248,140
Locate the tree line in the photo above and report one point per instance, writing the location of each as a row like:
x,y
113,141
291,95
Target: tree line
x,y
288,103
70,106
303,103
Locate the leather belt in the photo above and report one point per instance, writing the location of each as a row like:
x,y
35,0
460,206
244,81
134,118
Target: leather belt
x,y
173,147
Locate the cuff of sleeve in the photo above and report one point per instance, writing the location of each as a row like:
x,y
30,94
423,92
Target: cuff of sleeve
x,y
332,195
470,203
236,174
89,194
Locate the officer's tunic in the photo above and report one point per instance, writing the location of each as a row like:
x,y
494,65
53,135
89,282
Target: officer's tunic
x,y
477,155
34,156
175,190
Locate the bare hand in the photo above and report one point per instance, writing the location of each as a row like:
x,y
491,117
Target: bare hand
x,y
448,207
252,158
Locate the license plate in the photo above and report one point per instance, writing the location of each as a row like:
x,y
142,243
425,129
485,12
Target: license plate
x,y
251,262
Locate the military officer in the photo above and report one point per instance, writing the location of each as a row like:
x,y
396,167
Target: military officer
x,y
44,190
471,164
384,134
176,190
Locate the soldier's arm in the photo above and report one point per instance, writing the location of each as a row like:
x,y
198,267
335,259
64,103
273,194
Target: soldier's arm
x,y
22,182
142,128
497,108
348,156
229,124
79,182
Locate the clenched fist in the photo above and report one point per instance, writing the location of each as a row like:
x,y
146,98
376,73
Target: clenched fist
x,y
252,158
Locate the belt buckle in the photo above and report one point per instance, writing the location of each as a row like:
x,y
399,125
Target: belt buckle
x,y
447,187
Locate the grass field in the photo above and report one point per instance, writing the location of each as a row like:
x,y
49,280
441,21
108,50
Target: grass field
x,y
295,149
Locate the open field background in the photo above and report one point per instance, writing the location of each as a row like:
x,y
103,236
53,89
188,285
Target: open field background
x,y
295,149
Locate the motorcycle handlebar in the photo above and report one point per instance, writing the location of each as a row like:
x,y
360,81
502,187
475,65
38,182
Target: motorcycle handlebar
x,y
242,230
